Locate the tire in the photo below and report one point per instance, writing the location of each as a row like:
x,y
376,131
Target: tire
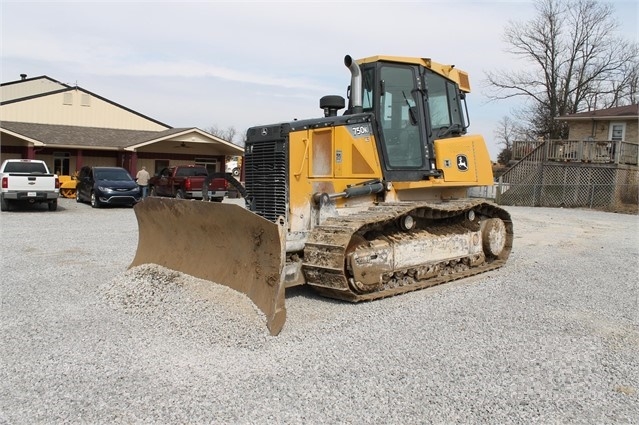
x,y
217,199
4,204
179,194
77,196
95,202
53,205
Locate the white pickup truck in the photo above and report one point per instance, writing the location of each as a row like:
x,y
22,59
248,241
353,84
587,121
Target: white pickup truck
x,y
28,181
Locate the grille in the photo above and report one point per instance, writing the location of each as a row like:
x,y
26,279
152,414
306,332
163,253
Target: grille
x,y
265,177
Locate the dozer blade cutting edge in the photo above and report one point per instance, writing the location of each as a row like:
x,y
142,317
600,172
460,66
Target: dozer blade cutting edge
x,y
223,243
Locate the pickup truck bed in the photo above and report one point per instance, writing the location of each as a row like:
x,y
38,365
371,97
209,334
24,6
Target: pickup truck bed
x,y
185,182
28,181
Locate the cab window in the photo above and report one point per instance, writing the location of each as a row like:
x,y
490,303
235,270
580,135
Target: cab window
x,y
443,102
398,117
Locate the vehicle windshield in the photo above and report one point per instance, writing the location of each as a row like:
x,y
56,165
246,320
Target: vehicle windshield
x,y
112,175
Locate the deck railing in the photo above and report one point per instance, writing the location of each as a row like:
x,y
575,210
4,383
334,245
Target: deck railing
x,y
574,173
595,151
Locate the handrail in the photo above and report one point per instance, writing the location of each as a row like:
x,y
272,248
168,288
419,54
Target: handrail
x,y
594,151
306,145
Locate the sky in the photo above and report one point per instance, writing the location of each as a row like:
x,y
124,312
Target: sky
x,y
241,63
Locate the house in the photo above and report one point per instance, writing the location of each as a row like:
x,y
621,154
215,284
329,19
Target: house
x,y
597,166
70,127
613,124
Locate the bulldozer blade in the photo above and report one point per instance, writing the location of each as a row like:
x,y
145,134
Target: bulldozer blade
x,y
223,243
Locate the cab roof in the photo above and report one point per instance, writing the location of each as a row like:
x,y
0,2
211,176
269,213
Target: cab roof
x,y
448,71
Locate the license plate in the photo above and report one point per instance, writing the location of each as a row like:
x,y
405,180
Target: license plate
x,y
31,194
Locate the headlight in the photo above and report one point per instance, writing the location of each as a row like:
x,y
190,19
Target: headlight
x,y
136,189
105,189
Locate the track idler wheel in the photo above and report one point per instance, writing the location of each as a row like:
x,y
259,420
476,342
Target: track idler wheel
x,y
493,237
359,286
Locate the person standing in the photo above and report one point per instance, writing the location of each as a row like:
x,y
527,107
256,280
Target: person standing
x,y
142,177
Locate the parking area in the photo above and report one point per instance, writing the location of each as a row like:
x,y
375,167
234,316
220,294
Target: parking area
x,y
552,337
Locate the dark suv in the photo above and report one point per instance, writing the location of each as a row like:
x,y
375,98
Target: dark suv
x,y
107,186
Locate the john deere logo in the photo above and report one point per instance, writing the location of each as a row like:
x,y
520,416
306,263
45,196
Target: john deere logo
x,y
462,163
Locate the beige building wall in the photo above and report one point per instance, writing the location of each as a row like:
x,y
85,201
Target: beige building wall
x,y
10,156
632,131
28,88
75,108
99,161
583,130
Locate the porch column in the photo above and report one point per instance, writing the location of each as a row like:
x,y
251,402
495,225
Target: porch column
x,y
134,163
78,160
30,152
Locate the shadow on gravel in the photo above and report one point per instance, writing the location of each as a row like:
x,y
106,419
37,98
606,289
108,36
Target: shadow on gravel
x,y
32,208
305,291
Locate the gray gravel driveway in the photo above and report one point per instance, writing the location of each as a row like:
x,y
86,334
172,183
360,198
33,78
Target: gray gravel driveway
x,y
551,338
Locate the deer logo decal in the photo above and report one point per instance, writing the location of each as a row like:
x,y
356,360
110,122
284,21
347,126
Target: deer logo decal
x,y
462,163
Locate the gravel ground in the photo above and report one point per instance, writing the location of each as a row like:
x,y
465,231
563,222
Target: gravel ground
x,y
551,338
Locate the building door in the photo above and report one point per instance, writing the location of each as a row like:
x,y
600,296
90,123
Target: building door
x,y
617,131
61,163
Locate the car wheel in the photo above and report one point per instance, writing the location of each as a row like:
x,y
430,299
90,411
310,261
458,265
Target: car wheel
x,y
217,199
95,202
179,194
53,205
77,196
4,204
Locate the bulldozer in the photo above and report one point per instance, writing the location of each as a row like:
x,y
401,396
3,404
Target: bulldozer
x,y
360,205
68,184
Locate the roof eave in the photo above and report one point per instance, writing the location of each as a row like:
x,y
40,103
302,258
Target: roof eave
x,y
20,136
599,118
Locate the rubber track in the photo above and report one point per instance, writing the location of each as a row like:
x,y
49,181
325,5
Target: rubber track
x,y
324,253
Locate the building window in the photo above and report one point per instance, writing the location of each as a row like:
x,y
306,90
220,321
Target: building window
x,y
210,164
160,164
617,131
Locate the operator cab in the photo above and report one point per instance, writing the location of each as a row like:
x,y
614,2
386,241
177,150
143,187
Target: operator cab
x,y
411,106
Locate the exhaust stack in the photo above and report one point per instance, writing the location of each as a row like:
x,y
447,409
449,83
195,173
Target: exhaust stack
x,y
356,85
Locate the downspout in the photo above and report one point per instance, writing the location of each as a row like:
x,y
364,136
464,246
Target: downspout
x,y
356,85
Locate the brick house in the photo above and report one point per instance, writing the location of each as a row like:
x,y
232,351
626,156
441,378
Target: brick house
x,y
613,124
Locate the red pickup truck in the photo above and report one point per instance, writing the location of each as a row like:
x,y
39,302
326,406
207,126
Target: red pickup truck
x,y
185,182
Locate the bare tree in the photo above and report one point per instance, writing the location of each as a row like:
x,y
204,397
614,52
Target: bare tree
x,y
507,132
228,134
575,63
